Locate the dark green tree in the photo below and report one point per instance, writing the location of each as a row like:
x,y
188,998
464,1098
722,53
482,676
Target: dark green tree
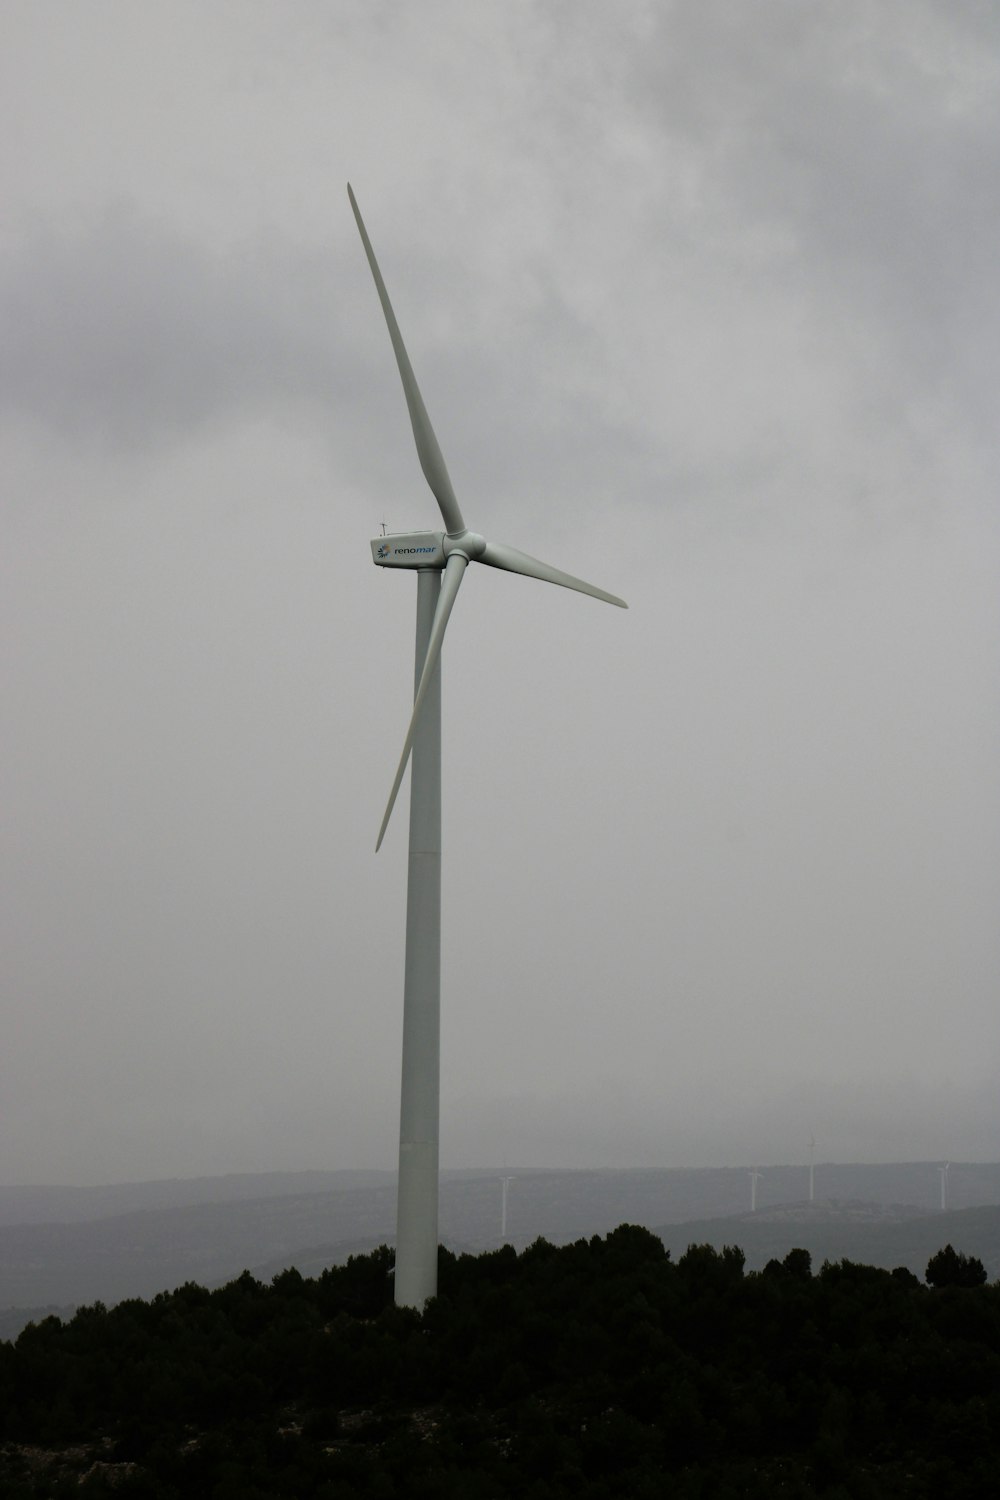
x,y
950,1267
798,1263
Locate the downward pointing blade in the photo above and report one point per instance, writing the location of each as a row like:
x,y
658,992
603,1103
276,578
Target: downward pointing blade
x,y
431,459
450,581
496,555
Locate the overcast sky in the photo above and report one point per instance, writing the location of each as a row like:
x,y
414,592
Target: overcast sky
x,y
703,301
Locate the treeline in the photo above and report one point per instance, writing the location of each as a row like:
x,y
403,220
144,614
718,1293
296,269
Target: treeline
x,y
600,1370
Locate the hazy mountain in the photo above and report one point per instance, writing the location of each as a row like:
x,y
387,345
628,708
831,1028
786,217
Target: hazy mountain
x,y
77,1245
71,1205
847,1231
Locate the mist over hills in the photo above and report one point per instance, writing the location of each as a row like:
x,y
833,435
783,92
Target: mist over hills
x,y
71,1205
63,1247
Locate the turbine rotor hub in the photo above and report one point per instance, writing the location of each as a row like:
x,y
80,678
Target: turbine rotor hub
x,y
469,544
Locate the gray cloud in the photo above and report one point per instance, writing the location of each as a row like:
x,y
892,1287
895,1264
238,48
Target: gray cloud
x,y
702,306
128,332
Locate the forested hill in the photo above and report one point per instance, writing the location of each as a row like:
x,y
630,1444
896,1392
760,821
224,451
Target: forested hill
x,y
600,1370
852,1231
60,1247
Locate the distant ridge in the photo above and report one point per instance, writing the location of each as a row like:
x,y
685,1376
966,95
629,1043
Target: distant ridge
x,y
134,1240
76,1205
847,1232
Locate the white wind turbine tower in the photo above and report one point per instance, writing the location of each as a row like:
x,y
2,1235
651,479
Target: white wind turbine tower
x,y
440,559
503,1209
944,1185
812,1167
755,1177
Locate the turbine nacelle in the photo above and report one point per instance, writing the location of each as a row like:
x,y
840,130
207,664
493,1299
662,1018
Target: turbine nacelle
x,y
425,549
409,549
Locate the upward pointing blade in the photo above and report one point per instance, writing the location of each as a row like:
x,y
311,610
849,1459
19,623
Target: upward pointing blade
x,y
452,577
431,459
496,555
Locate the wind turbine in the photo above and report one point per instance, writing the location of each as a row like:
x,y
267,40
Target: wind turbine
x,y
944,1185
503,1208
755,1177
440,559
812,1164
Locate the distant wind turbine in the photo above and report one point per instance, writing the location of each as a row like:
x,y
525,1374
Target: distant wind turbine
x,y
944,1185
755,1176
440,559
506,1181
812,1180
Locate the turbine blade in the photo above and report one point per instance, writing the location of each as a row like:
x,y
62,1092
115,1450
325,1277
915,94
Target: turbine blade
x,y
496,555
428,451
452,578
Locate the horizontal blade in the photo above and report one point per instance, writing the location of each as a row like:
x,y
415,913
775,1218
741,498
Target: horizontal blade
x,y
450,580
496,555
428,451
